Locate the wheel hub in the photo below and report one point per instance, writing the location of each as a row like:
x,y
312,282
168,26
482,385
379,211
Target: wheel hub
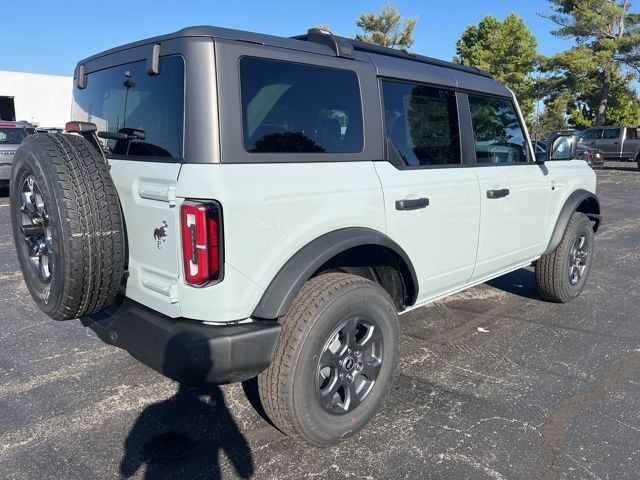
x,y
578,259
349,365
36,229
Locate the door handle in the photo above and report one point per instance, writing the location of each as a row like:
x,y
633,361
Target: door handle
x,y
412,204
503,192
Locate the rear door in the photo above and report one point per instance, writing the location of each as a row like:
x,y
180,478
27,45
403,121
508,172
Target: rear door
x,y
611,142
140,123
431,200
631,143
515,192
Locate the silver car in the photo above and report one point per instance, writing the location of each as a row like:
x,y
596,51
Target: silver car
x,y
11,136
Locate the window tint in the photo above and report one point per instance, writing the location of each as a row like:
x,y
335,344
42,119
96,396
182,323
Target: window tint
x,y
611,133
295,108
632,133
497,131
125,98
422,123
14,135
591,134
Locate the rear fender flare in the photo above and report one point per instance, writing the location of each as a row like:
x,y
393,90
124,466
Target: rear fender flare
x,y
286,284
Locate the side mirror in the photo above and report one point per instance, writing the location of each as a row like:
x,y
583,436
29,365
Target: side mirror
x,y
541,157
562,146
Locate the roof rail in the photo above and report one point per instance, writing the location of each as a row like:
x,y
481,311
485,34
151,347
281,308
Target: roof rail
x,y
345,47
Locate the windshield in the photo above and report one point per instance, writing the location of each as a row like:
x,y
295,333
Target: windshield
x,y
14,135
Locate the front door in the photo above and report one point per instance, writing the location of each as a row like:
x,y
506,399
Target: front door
x,y
431,200
515,192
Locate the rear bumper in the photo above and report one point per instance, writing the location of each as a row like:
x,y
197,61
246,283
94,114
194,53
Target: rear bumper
x,y
186,350
5,172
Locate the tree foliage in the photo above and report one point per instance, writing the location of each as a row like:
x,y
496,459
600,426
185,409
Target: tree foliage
x,y
605,58
505,48
387,28
554,117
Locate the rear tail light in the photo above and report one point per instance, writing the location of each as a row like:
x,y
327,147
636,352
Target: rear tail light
x,y
201,242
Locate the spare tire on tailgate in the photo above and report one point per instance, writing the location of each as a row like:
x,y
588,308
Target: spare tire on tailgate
x,y
67,225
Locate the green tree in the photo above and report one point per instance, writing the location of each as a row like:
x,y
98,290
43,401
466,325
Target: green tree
x,y
505,48
554,116
607,48
387,28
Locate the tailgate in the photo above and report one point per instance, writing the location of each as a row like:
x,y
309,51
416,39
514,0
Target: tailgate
x,y
152,221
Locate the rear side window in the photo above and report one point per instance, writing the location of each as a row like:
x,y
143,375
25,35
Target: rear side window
x,y
592,134
422,123
611,133
498,134
296,108
148,111
632,134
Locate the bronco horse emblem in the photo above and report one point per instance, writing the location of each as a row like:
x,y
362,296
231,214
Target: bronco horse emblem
x,y
160,234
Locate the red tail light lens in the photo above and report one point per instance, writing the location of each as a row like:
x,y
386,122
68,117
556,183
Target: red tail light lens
x,y
201,231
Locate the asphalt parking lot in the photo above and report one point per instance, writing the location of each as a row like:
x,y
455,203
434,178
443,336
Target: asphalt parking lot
x,y
538,391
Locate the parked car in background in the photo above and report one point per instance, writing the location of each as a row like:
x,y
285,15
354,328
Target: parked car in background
x,y
592,156
616,142
11,136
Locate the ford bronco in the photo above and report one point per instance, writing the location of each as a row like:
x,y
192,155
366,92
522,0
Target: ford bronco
x,y
226,205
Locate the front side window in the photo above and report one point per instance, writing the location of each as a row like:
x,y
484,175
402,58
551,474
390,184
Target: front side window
x,y
145,112
498,134
422,123
296,108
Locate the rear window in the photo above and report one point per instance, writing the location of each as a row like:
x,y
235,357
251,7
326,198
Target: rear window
x,y
296,108
147,110
14,135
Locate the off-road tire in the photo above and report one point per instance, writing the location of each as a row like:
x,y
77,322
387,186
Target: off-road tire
x,y
85,221
553,269
287,388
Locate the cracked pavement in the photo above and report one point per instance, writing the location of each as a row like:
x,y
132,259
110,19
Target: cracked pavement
x,y
493,383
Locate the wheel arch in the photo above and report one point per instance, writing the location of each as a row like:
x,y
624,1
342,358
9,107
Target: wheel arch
x,y
357,250
579,201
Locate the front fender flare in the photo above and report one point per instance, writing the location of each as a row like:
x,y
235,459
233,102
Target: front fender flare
x,y
571,205
286,284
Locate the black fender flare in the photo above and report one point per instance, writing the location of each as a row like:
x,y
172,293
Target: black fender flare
x,y
286,284
570,206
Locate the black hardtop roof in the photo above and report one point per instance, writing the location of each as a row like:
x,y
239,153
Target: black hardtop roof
x,y
300,42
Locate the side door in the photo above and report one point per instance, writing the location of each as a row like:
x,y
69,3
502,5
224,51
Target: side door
x,y
611,142
631,143
515,192
431,199
591,136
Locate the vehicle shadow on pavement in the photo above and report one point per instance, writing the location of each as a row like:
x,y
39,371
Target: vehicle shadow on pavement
x,y
520,282
184,436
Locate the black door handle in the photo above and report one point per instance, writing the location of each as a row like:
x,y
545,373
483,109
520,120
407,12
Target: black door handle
x,y
412,204
503,192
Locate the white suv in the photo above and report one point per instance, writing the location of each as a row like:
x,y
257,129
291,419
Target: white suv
x,y
227,204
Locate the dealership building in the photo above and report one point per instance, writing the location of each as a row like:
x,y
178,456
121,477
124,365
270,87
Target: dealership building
x,y
44,100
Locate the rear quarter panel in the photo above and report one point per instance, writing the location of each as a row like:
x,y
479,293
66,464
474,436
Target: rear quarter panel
x,y
270,212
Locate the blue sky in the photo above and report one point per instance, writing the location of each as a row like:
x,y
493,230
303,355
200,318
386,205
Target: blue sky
x,y
50,37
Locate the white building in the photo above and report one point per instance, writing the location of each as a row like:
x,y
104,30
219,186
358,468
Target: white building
x,y
44,100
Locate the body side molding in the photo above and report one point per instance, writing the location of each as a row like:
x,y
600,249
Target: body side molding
x,y
592,209
286,284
